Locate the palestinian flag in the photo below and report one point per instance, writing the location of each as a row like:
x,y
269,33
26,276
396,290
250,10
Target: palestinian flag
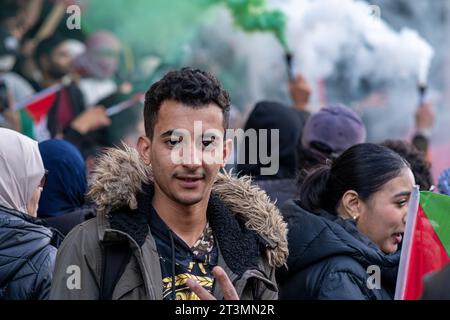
x,y
426,245
39,104
33,112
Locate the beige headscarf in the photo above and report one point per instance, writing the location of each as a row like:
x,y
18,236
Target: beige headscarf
x,y
21,169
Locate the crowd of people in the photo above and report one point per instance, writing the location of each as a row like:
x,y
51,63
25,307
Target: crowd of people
x,y
138,225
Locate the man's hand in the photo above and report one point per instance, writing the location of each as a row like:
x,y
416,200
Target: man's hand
x,y
91,119
29,47
229,292
300,92
424,117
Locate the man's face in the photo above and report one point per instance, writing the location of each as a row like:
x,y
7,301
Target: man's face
x,y
186,152
107,59
59,62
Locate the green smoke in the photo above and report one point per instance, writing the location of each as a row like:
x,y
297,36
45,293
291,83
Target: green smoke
x,y
164,27
252,15
158,27
174,30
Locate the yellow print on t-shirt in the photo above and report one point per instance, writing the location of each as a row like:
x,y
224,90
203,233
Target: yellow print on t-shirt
x,y
182,291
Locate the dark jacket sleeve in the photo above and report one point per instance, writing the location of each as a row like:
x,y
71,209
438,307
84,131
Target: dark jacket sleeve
x,y
338,278
45,272
344,278
344,285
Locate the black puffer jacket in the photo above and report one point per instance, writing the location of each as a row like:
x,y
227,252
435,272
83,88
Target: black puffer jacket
x,y
26,257
329,259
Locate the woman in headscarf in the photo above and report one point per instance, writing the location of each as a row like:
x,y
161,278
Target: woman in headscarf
x,y
26,255
62,203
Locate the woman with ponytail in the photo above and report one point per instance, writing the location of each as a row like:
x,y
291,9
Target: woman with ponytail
x,y
346,227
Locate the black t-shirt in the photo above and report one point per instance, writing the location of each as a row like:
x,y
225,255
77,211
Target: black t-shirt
x,y
190,263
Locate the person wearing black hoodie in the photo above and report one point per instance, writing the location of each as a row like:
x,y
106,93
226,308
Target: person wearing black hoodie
x,y
346,228
270,116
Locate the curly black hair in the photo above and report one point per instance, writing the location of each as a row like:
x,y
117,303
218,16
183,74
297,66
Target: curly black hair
x,y
192,87
46,46
420,167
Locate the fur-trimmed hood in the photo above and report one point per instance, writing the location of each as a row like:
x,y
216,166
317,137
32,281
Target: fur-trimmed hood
x,y
120,174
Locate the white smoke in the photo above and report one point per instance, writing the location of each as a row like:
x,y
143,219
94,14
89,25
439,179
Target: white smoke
x,y
336,39
326,33
253,62
332,37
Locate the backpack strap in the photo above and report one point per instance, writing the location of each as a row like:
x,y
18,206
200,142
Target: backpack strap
x,y
116,256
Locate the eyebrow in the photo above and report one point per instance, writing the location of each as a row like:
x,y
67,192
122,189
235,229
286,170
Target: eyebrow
x,y
168,133
401,194
209,135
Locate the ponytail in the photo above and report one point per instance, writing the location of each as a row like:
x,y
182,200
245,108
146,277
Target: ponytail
x,y
364,168
314,189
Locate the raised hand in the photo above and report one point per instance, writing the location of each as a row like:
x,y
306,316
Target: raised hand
x,y
229,292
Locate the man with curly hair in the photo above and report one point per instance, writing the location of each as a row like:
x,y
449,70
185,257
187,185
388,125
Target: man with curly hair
x,y
416,159
169,225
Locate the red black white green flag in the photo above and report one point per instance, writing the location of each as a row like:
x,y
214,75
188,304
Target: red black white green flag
x,y
426,245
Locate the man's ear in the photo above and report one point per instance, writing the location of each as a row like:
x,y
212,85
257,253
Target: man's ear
x,y
144,147
227,149
351,205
